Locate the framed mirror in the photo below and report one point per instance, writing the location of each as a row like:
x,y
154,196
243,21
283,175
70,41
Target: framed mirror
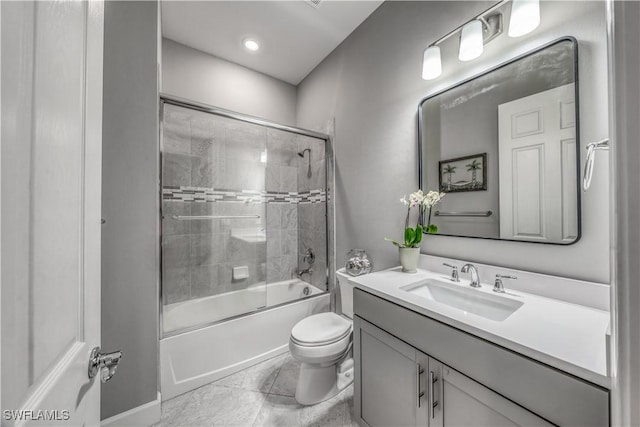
x,y
504,147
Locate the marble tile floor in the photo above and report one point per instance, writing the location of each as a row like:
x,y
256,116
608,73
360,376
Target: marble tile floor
x,y
261,395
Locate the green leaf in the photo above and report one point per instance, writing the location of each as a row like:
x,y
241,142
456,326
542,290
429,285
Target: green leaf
x,y
418,237
409,235
432,229
394,242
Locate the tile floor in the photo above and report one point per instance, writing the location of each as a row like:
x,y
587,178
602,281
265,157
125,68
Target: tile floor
x,y
261,395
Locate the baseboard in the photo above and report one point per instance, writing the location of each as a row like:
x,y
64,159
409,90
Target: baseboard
x,y
143,415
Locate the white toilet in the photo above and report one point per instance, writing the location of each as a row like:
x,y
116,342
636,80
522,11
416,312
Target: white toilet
x,y
322,343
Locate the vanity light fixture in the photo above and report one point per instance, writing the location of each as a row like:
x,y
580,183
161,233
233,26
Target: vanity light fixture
x,y
474,34
251,44
431,63
525,17
471,41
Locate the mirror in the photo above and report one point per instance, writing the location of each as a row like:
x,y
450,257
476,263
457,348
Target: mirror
x,y
504,146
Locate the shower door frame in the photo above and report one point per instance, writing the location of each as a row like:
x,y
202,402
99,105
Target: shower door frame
x,y
330,214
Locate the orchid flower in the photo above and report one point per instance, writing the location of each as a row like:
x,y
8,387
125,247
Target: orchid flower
x,y
416,199
413,236
432,198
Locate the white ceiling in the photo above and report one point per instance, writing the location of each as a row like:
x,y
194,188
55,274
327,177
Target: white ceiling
x,y
294,36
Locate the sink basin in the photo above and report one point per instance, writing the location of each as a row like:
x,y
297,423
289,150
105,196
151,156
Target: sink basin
x,y
469,300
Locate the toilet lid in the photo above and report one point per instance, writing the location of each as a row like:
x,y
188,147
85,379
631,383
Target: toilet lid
x,y
321,328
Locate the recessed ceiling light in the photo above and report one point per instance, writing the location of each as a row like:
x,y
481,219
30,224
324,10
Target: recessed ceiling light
x,y
251,44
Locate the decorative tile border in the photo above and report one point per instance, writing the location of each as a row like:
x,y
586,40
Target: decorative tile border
x,y
208,195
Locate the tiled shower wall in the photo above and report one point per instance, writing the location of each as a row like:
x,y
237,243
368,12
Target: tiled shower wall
x,y
224,167
312,217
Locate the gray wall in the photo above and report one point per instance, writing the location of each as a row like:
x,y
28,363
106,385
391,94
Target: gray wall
x,y
371,85
130,203
198,76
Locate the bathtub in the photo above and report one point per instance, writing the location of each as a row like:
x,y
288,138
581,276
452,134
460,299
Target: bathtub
x,y
196,357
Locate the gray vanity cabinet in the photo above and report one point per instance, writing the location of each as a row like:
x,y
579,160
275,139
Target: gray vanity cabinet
x,y
468,403
404,365
390,380
397,385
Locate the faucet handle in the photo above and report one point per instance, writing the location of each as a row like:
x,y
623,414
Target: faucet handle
x,y
454,272
498,286
309,257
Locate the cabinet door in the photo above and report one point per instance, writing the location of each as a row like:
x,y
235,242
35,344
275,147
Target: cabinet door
x,y
464,402
389,379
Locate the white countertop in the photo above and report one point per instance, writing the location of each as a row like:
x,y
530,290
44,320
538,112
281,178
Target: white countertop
x,y
567,336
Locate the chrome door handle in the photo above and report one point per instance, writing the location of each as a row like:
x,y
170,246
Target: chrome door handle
x,y
106,363
419,393
432,403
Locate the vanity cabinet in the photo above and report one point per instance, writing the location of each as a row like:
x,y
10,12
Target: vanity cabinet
x,y
412,370
391,378
399,385
468,403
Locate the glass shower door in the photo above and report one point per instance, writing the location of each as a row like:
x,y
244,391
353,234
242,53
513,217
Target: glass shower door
x,y
214,218
296,184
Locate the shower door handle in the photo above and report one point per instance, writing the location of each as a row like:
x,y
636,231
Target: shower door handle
x,y
106,363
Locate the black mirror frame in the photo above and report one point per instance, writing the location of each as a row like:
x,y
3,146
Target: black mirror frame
x,y
578,139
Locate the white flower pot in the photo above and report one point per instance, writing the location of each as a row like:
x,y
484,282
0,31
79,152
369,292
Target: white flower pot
x,y
409,259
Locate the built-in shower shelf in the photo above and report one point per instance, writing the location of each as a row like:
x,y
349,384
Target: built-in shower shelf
x,y
250,235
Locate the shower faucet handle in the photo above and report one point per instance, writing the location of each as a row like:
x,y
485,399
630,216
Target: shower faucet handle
x,y
309,257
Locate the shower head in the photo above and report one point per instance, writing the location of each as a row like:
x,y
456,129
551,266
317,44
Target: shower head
x,y
301,153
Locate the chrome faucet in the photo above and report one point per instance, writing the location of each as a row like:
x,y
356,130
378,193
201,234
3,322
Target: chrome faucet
x,y
498,286
471,269
300,273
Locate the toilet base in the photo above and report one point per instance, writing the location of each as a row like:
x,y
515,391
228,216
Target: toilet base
x,y
318,383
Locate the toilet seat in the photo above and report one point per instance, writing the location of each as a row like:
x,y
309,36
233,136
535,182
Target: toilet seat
x,y
320,330
322,338
320,354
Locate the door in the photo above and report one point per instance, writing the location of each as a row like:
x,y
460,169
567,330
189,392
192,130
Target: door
x,y
391,380
537,167
465,402
50,210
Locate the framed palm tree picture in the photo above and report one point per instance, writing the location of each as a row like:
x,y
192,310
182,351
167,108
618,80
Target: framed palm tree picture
x,y
467,173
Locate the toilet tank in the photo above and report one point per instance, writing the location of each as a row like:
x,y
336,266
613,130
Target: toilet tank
x,y
346,292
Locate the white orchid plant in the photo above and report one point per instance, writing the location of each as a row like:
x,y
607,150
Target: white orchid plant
x,y
424,203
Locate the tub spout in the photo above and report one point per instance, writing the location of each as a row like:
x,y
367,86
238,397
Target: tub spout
x,y
300,273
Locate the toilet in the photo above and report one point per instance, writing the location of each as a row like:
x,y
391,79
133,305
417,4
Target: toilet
x,y
322,343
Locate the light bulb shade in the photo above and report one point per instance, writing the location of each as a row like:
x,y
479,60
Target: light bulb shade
x,y
431,63
471,41
525,17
